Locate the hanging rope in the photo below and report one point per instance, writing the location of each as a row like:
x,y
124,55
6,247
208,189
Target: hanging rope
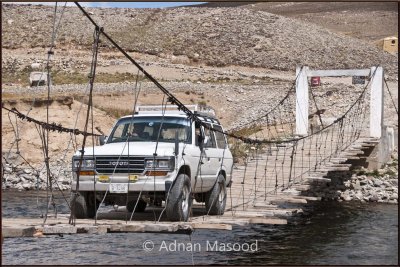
x,y
391,97
90,106
52,127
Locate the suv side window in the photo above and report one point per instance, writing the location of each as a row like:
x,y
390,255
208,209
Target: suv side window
x,y
219,136
211,138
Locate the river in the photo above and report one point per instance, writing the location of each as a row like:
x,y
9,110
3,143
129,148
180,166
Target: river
x,y
330,233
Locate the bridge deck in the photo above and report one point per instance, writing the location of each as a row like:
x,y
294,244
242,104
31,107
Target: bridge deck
x,y
267,189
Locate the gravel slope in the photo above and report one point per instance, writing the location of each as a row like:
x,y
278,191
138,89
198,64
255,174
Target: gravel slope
x,y
214,36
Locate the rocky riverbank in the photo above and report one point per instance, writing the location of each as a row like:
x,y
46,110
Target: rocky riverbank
x,y
363,185
20,175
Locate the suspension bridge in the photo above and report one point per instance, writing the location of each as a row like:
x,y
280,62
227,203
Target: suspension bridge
x,y
287,160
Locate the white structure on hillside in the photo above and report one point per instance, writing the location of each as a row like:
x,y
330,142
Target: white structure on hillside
x,y
38,78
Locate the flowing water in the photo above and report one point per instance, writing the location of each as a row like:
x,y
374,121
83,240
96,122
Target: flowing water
x,y
331,233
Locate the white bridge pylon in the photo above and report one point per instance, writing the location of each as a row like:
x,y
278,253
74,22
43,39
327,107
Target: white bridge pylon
x,y
376,101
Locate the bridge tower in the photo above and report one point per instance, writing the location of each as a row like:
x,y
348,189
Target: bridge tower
x,y
376,102
377,130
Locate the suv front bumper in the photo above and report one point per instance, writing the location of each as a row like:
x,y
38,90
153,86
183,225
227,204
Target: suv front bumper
x,y
143,183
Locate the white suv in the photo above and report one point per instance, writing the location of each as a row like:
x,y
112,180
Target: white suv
x,y
156,156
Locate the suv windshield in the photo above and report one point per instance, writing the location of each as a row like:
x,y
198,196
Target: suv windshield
x,y
147,129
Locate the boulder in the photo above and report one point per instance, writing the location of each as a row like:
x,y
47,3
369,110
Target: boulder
x,y
374,198
377,182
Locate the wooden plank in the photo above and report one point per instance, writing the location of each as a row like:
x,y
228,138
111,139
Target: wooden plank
x,y
267,221
59,229
332,169
338,165
92,229
264,205
216,226
293,200
126,228
308,198
18,231
353,158
349,154
286,212
318,179
339,160
291,192
318,173
229,220
159,228
368,140
304,187
250,214
358,151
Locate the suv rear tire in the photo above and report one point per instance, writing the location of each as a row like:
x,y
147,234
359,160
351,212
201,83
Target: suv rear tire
x,y
179,200
216,197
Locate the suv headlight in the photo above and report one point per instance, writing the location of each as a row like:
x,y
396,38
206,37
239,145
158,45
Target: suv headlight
x,y
87,164
160,164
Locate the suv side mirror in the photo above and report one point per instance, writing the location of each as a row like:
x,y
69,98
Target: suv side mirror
x,y
102,139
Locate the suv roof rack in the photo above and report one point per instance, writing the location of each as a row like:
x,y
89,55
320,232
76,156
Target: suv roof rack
x,y
197,109
193,108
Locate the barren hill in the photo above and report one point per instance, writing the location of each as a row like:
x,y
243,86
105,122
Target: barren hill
x,y
213,36
349,18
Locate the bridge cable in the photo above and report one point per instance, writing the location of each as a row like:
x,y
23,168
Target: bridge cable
x,y
97,33
391,97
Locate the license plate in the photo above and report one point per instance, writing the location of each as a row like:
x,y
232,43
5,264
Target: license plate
x,y
119,188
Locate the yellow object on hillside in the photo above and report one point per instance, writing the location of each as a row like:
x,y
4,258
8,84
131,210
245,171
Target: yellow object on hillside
x,y
390,44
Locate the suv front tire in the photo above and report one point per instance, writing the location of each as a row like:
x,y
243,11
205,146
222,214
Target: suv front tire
x,y
179,199
84,206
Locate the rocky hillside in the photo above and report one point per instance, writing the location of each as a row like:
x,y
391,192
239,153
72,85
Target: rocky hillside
x,y
213,36
347,18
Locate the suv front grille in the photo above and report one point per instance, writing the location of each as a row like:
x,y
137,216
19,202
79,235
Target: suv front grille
x,y
120,164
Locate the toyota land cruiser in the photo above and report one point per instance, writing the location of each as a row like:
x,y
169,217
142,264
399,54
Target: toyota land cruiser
x,y
156,156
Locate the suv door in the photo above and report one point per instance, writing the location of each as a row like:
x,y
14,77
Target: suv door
x,y
224,155
211,156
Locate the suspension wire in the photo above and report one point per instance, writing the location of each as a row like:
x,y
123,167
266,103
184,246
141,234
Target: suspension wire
x,y
163,109
135,95
319,112
255,175
40,78
49,126
200,162
391,97
244,177
97,34
265,172
291,162
46,142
